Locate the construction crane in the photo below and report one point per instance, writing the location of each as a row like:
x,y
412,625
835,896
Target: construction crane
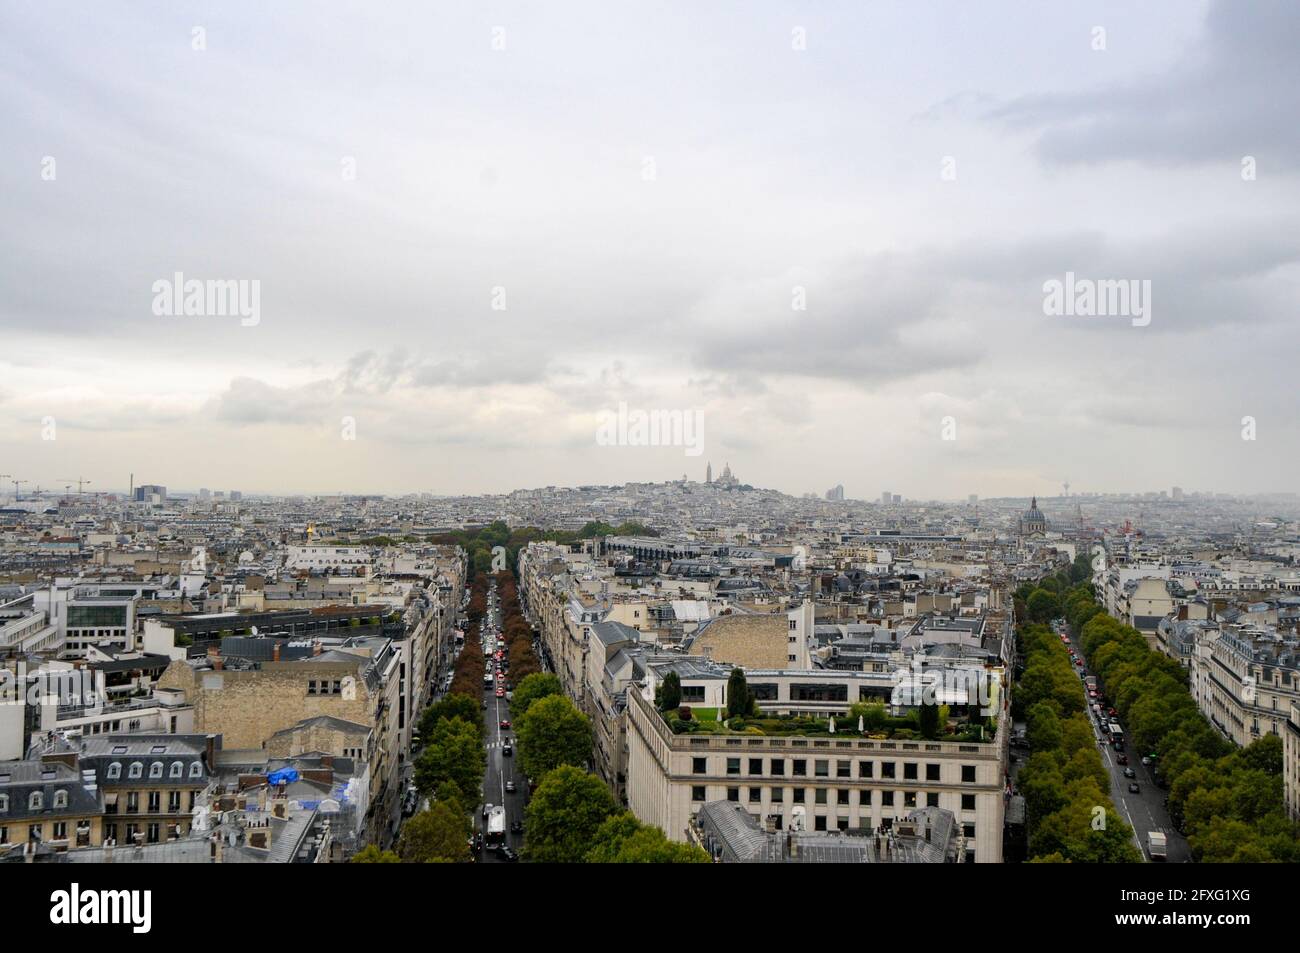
x,y
77,480
17,484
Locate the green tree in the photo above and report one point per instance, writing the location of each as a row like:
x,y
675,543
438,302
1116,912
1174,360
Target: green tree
x,y
928,719
622,839
373,855
530,689
455,705
670,697
551,733
440,833
1043,606
565,812
739,702
454,752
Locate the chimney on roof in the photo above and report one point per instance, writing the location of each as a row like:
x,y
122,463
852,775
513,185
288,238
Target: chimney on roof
x,y
275,651
316,648
214,655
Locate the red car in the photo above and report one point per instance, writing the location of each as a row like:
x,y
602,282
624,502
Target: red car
x,y
1112,712
501,693
505,724
1121,758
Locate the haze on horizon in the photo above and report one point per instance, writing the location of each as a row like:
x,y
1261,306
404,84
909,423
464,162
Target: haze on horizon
x,y
645,190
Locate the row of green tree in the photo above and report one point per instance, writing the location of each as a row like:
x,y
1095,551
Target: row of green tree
x,y
478,543
1069,813
1228,800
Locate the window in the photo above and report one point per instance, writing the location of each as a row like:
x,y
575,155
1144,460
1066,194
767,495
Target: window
x,y
311,687
778,766
909,770
887,769
196,769
794,624
842,796
136,771
864,769
968,774
733,766
844,769
174,802
800,768
733,794
969,831
60,830
692,693
755,795
932,799
176,770
842,823
699,766
932,772
800,795
821,768
778,795
155,802
35,801
819,796
864,797
60,799
887,798
133,802
156,770
909,799
697,792
968,802
755,765
4,803
819,822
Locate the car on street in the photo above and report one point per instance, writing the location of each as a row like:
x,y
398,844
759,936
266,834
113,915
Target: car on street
x,y
506,854
1146,760
507,750
501,693
505,724
1122,759
1130,773
487,809
1133,788
516,827
510,787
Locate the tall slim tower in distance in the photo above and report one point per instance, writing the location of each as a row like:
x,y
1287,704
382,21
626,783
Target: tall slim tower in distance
x,y
708,473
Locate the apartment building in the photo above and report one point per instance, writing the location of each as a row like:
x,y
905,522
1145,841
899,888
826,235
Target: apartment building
x,y
827,783
1249,679
247,702
49,806
1291,762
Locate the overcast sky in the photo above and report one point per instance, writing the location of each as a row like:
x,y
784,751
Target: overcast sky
x,y
649,184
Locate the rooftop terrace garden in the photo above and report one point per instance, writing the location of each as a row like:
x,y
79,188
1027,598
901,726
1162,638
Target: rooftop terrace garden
x,y
960,724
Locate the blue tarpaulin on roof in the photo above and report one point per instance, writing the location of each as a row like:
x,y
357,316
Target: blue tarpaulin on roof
x,y
283,776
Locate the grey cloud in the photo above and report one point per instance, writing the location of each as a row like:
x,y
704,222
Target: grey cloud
x,y
1236,93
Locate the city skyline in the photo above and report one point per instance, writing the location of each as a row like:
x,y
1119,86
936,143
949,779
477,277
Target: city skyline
x,y
474,234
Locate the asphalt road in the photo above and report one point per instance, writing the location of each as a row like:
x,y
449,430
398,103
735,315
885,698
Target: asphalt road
x,y
499,767
1144,811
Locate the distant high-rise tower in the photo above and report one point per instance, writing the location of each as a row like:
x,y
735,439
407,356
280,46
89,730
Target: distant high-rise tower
x,y
708,473
885,496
